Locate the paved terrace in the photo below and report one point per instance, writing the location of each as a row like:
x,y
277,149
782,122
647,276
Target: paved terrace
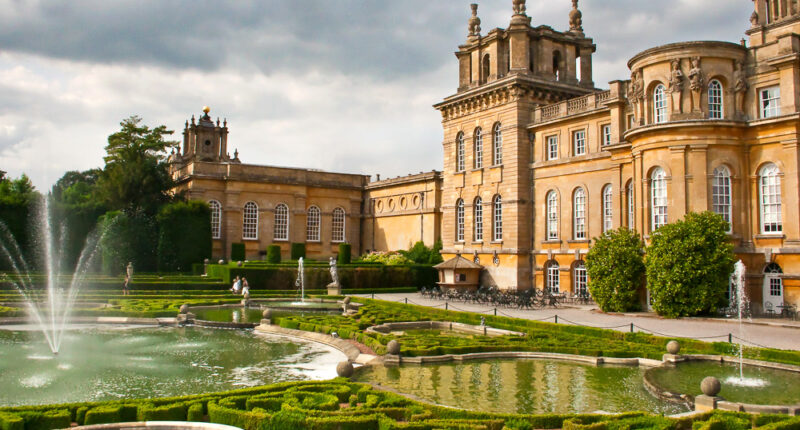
x,y
762,332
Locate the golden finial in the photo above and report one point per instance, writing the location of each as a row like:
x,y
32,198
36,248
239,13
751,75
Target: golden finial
x,y
206,109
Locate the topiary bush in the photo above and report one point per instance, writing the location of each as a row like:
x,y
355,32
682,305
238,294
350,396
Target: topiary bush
x,y
689,264
274,254
298,250
345,255
237,252
184,235
615,268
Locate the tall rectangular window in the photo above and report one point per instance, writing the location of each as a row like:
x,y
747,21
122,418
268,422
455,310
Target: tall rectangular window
x,y
770,101
337,225
630,205
608,212
579,142
579,214
552,147
281,222
721,193
606,134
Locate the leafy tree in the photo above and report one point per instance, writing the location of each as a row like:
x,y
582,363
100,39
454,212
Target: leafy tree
x,y
136,175
421,254
18,201
688,265
128,237
184,235
615,268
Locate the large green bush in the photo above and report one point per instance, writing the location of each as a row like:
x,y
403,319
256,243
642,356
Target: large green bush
x,y
689,263
615,268
345,253
298,251
128,237
184,235
237,251
273,254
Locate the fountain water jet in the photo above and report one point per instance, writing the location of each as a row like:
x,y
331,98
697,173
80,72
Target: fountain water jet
x,y
51,316
738,279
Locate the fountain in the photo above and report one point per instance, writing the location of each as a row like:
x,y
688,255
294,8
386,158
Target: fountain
x,y
52,313
738,278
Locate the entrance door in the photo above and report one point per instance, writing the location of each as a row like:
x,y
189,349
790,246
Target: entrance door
x,y
773,288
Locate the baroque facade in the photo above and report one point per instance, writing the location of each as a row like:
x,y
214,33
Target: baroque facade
x,y
698,126
538,161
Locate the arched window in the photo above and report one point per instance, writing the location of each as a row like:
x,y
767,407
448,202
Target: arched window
x,y
660,104
721,194
497,146
608,214
478,137
460,220
485,68
250,221
658,198
497,228
579,280
281,222
770,199
216,217
460,152
478,220
715,99
552,215
631,214
579,214
312,224
337,225
553,278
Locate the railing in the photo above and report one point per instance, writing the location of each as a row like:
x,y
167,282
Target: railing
x,y
571,106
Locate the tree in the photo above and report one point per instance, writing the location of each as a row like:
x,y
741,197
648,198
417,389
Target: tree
x,y
615,268
184,235
128,237
689,264
136,175
18,201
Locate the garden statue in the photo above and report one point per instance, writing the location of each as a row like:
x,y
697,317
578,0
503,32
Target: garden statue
x,y
334,288
129,270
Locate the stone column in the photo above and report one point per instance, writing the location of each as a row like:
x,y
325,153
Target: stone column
x,y
676,184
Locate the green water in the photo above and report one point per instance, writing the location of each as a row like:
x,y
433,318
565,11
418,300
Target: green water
x,y
254,315
523,386
780,387
104,363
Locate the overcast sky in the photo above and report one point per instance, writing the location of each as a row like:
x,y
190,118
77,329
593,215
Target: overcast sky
x,y
340,85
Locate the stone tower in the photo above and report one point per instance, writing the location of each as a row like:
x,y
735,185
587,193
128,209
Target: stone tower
x,y
487,193
205,140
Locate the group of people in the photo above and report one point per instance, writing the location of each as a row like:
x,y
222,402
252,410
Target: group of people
x,y
240,286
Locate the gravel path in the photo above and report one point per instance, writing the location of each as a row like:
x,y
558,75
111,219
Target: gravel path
x,y
772,333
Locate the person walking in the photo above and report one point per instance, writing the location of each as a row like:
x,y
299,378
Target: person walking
x,y
125,286
245,288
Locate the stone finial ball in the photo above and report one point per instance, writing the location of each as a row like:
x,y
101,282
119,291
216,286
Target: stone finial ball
x,y
206,261
221,261
673,347
184,308
267,314
344,369
710,386
239,264
393,347
206,109
346,300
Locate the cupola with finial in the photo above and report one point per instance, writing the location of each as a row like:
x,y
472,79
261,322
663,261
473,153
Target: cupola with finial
x,y
205,141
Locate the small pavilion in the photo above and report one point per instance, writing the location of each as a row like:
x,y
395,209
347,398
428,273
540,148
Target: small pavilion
x,y
459,273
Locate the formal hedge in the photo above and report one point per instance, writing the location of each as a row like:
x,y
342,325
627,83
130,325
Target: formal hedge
x,y
184,235
345,253
237,252
354,277
341,404
298,251
273,254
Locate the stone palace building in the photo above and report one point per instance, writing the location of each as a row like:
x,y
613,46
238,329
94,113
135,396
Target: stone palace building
x,y
538,161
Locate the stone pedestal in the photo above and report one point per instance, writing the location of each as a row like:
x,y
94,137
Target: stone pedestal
x,y
703,403
334,289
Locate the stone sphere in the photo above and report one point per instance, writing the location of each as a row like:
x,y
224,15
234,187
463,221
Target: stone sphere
x,y
710,386
267,314
346,300
673,347
184,308
344,369
206,261
239,264
393,347
221,261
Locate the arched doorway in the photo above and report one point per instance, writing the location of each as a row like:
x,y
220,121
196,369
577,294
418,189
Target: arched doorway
x,y
773,288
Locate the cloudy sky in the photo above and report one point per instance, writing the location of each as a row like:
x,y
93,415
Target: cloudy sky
x,y
344,85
